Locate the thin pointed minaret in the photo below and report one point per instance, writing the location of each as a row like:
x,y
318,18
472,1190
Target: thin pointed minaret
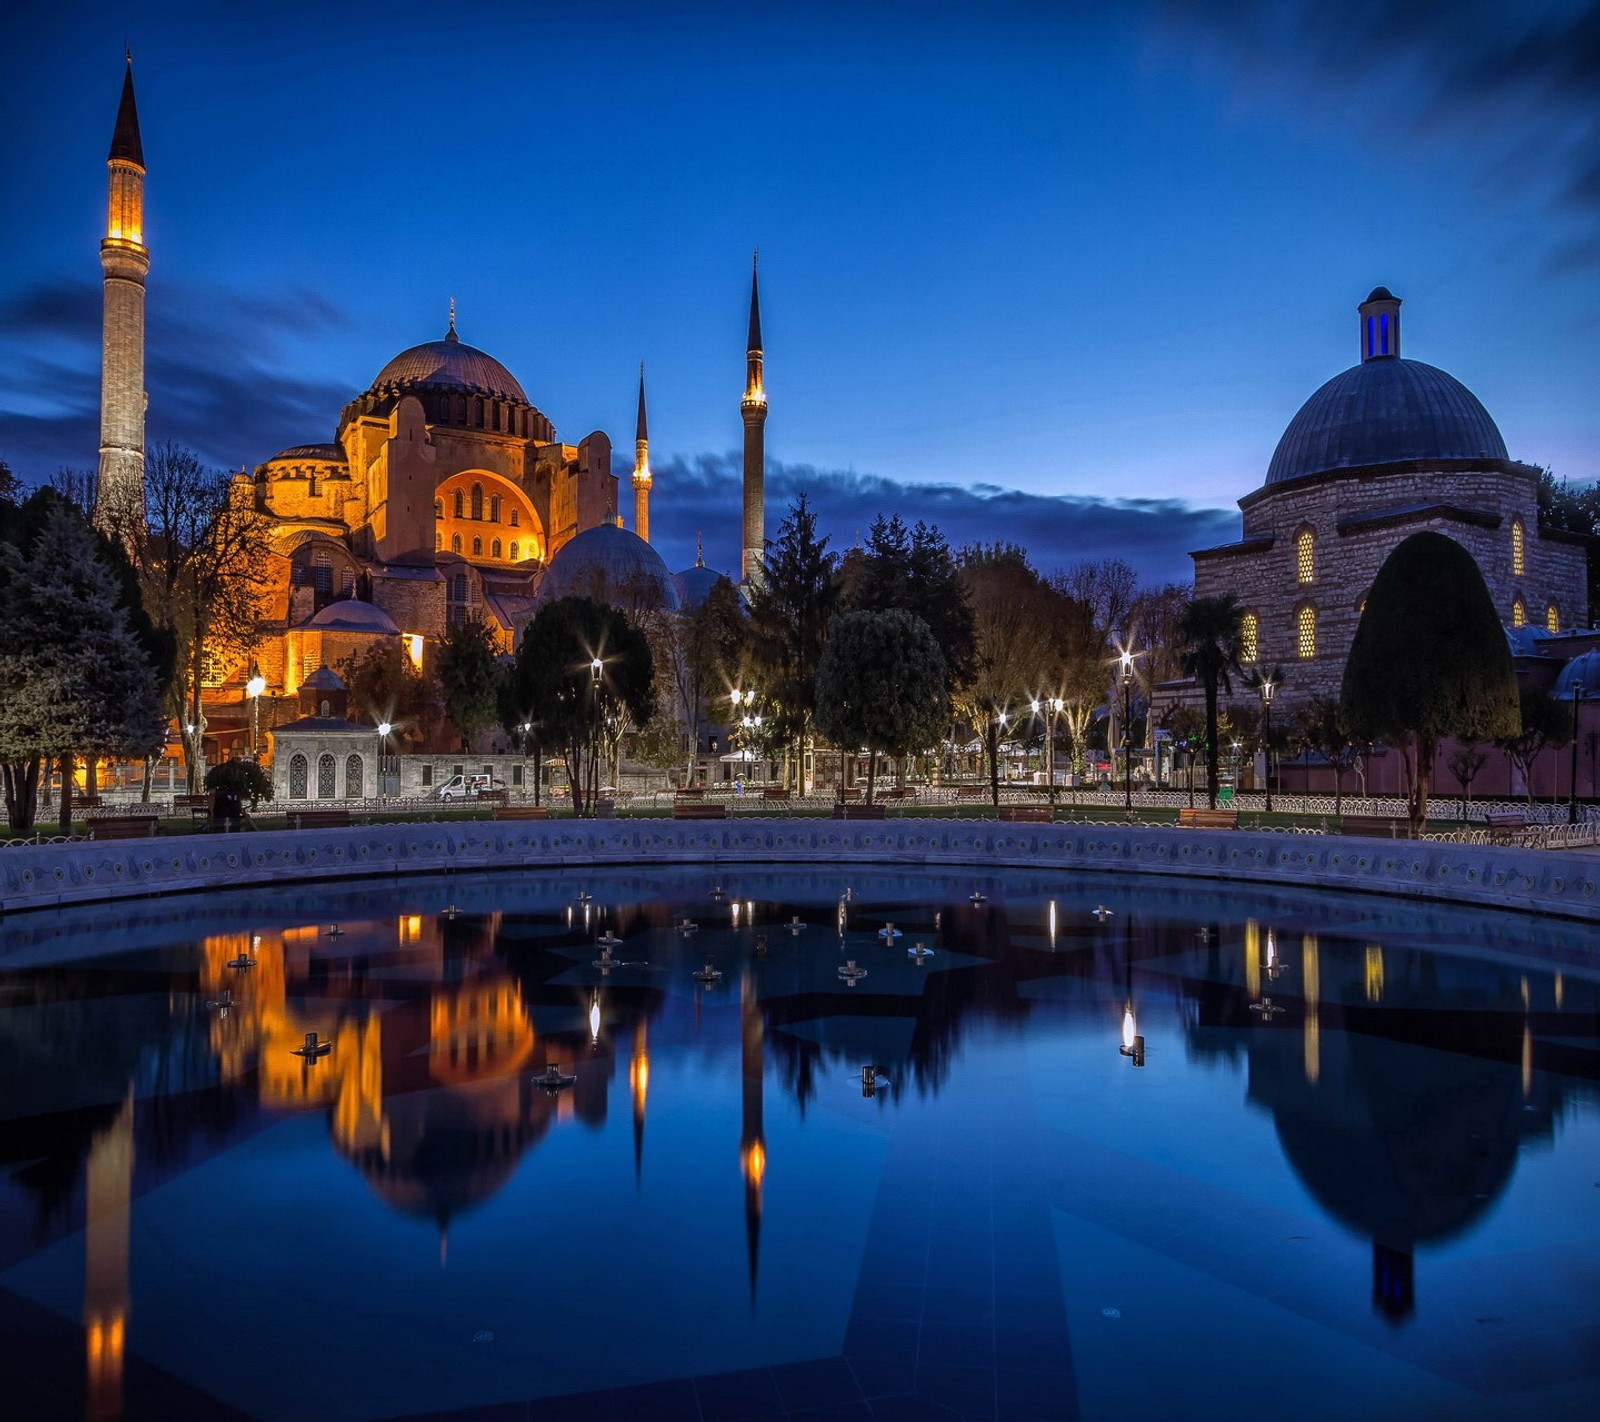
x,y
126,262
753,410
641,468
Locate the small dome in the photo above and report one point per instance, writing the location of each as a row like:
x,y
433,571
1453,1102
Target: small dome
x,y
1380,293
324,678
606,563
449,364
1580,676
298,453
350,614
1382,412
695,584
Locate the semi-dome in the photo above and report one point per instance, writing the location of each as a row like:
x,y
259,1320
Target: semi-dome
x,y
328,453
1381,412
1580,677
351,614
449,364
609,564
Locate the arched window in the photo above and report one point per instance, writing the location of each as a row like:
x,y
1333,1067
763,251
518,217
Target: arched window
x,y
477,501
516,517
514,557
494,549
455,542
355,771
1249,637
459,503
1519,612
1552,619
299,770
1305,630
477,548
438,542
455,607
1305,556
1519,550
494,508
326,773
438,508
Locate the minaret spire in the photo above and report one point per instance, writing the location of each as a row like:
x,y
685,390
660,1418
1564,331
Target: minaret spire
x,y
753,410
125,261
450,335
641,468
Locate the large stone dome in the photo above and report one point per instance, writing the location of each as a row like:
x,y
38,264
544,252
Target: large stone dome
x,y
1381,412
609,564
449,364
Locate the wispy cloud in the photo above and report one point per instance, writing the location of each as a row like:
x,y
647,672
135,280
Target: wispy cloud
x,y
702,496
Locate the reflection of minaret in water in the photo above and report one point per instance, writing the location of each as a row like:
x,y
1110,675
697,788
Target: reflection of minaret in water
x,y
639,1085
752,1133
108,1179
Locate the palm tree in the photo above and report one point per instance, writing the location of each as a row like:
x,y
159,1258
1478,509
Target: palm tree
x,y
1209,631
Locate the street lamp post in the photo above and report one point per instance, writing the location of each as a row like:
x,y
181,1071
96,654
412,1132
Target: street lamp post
x,y
383,754
1127,738
253,689
596,671
1056,704
1267,688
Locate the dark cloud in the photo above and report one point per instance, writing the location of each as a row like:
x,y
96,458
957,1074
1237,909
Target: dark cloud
x,y
215,370
1510,87
702,495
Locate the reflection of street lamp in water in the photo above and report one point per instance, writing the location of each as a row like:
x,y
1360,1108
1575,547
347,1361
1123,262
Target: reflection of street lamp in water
x,y
1132,1043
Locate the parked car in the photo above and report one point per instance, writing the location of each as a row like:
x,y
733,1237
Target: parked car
x,y
467,787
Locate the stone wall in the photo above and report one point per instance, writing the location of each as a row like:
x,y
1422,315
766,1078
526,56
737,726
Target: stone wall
x,y
1565,884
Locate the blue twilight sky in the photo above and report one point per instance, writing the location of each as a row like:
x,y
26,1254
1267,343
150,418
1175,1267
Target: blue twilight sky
x,y
1049,272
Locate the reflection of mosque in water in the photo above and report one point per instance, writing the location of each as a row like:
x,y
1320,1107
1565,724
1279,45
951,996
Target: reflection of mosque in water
x,y
442,1028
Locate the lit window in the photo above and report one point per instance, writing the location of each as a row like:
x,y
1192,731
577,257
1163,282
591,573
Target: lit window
x,y
1519,551
1519,613
1305,556
1249,637
514,553
494,508
1552,619
459,503
494,549
438,542
477,548
1305,622
455,542
438,508
477,501
516,517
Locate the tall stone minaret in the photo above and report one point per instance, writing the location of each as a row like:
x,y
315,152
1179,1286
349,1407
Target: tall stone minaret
x,y
641,468
126,261
753,410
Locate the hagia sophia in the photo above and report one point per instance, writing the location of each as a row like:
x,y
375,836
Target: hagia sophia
x,y
446,494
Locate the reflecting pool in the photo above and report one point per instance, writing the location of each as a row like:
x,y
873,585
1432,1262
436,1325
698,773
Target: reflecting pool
x,y
771,1143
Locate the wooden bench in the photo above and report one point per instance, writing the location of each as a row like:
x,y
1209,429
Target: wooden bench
x,y
319,819
121,827
1027,814
845,810
520,812
491,797
1505,825
1207,819
903,792
691,792
972,792
774,794
197,807
851,794
1376,826
692,810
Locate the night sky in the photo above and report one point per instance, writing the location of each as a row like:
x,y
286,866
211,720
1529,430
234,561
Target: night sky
x,y
1050,273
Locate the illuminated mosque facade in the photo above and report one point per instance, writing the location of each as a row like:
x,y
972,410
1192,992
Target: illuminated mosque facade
x,y
444,494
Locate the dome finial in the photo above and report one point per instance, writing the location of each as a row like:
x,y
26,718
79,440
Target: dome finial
x,y
700,550
450,335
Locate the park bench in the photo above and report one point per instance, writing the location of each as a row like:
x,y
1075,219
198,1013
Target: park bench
x,y
1507,824
851,793
691,792
772,793
196,807
1207,819
693,810
121,827
1376,826
520,812
491,797
972,792
1027,814
901,792
850,810
319,819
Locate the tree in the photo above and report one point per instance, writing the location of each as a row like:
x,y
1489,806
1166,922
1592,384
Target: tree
x,y
383,684
881,683
553,684
1320,725
790,608
469,676
10,485
1429,660
243,778
1209,632
1468,760
713,651
74,678
1014,618
201,553
1546,725
1572,508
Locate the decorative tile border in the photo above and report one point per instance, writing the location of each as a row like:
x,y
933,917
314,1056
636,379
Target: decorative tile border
x,y
1549,882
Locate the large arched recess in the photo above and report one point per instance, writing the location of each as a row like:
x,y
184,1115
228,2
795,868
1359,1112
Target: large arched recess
x,y
504,515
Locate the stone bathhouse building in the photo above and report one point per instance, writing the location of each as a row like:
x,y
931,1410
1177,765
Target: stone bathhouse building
x,y
1382,451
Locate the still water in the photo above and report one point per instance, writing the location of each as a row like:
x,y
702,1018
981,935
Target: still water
x,y
1204,1153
